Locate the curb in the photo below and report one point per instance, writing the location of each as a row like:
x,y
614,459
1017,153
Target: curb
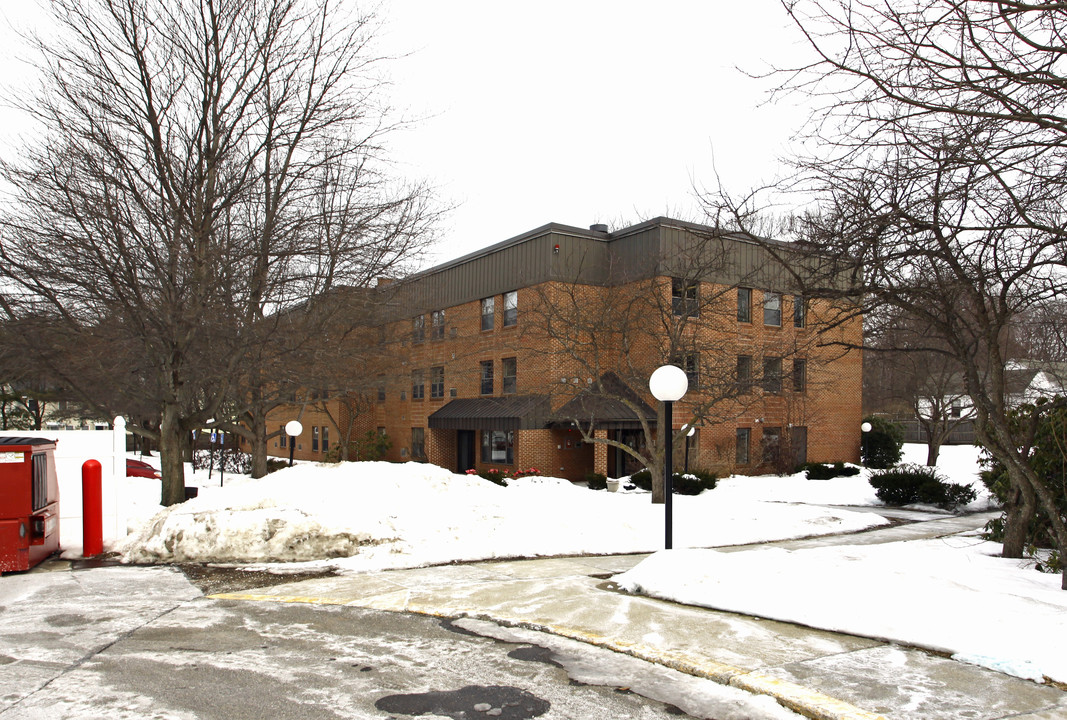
x,y
805,701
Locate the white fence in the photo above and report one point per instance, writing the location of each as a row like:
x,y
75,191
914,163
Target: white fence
x,y
74,447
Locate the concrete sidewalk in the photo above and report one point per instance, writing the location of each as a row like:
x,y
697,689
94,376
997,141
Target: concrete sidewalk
x,y
819,674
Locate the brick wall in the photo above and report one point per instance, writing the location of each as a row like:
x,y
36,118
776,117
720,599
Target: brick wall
x,y
559,359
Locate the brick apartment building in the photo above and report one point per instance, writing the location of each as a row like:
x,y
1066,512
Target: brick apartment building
x,y
537,350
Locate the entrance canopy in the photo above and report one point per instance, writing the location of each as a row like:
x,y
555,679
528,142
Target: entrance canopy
x,y
517,412
610,404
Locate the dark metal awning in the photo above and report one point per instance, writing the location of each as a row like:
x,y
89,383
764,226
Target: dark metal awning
x,y
610,405
518,412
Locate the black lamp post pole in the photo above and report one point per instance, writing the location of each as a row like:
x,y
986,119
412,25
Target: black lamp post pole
x,y
668,469
292,446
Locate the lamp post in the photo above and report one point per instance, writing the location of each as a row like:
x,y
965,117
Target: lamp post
x,y
293,428
689,434
864,428
668,384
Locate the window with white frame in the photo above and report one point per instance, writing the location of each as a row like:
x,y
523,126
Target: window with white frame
x,y
498,446
772,375
437,325
772,309
437,382
488,312
744,374
744,305
800,311
684,299
511,308
510,371
800,375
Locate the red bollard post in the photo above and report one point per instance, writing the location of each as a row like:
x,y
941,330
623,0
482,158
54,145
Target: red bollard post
x,y
92,510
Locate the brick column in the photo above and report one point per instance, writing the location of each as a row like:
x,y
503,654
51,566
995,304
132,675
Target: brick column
x,y
600,458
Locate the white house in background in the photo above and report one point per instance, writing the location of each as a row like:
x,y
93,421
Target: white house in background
x,y
1027,382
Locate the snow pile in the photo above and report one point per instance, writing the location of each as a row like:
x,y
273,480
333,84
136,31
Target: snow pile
x,y
949,595
385,515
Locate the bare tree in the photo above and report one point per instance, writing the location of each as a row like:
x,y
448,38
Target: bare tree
x,y
604,339
938,161
911,376
204,170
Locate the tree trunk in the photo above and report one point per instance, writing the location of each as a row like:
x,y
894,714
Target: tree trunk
x,y
659,496
933,449
172,445
258,441
1017,516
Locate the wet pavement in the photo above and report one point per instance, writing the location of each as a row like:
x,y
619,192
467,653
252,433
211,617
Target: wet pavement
x,y
816,673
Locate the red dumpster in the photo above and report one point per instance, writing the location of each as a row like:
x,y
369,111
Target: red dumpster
x,y
29,502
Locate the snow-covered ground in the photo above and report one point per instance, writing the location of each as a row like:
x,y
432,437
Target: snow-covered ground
x,y
953,595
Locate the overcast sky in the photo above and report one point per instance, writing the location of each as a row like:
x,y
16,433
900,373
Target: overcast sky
x,y
575,112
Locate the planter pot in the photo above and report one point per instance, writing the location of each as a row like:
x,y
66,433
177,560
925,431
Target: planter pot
x,y
613,485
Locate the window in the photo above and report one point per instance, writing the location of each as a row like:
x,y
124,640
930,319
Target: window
x,y
437,382
437,325
772,445
325,438
690,363
488,310
744,437
744,374
800,375
418,442
510,373
772,309
381,431
744,305
511,308
314,438
957,409
772,375
417,388
684,301
800,311
418,329
487,377
498,446
284,438
381,391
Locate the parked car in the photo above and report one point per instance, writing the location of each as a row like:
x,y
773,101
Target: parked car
x,y
137,468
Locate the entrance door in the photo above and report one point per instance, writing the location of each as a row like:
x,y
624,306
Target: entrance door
x,y
465,448
625,463
798,440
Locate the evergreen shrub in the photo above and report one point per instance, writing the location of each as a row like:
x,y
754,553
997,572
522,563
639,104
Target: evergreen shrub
x,y
693,483
919,484
881,446
596,481
823,471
